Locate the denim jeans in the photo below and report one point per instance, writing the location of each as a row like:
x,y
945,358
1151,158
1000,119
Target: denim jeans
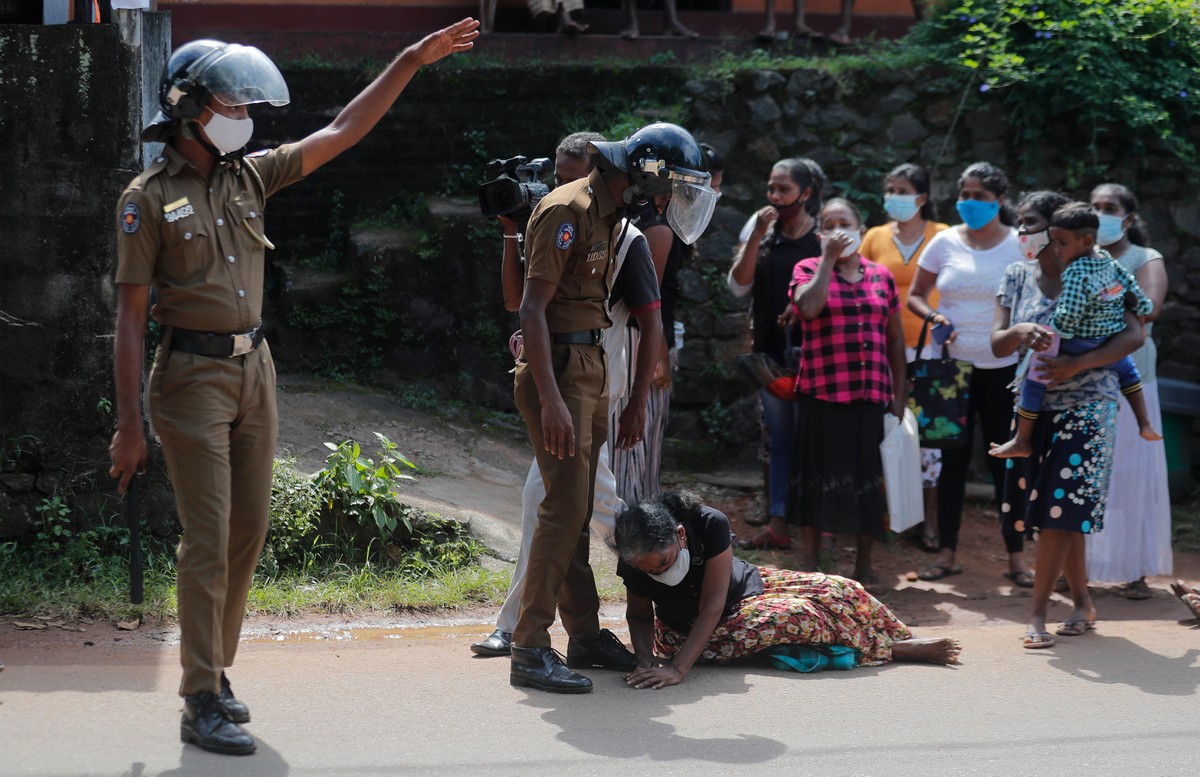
x,y
780,418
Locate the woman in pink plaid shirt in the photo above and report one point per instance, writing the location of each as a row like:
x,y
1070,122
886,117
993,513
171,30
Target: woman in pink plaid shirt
x,y
851,373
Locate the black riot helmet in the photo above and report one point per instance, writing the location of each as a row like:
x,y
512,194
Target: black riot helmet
x,y
663,159
228,72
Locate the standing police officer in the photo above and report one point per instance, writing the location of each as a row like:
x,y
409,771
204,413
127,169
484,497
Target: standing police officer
x,y
560,386
192,225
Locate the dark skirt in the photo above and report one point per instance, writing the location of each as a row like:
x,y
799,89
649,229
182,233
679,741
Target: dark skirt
x,y
837,471
1064,483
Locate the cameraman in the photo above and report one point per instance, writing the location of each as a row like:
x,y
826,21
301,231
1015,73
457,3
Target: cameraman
x,y
634,292
561,377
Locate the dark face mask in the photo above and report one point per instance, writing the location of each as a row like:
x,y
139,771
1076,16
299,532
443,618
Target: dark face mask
x,y
789,211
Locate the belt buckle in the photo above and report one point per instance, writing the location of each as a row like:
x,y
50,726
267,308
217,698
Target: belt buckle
x,y
598,336
242,344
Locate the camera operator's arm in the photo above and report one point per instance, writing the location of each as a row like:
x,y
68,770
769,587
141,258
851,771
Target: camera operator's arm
x,y
512,273
364,111
557,428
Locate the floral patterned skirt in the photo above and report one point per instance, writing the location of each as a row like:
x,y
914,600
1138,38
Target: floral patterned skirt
x,y
798,608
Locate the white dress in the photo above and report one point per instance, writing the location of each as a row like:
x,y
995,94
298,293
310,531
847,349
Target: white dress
x,y
1136,541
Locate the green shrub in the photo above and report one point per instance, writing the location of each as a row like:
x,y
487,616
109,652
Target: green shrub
x,y
1129,65
293,539
355,489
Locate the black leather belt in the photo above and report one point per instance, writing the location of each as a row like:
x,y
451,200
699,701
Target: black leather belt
x,y
210,344
582,337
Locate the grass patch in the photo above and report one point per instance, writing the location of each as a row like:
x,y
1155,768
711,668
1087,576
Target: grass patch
x,y
1185,523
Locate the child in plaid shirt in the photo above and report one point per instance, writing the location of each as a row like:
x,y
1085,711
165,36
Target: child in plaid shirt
x,y
1091,308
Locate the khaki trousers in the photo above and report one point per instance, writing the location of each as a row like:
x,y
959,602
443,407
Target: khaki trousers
x,y
559,573
217,421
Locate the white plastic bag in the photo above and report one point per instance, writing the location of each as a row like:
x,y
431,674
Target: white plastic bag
x,y
902,471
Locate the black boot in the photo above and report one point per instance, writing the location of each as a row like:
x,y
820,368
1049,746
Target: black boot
x,y
231,708
543,669
204,726
599,650
498,644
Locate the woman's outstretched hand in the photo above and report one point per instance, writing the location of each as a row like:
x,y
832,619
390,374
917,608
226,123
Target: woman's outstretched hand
x,y
655,677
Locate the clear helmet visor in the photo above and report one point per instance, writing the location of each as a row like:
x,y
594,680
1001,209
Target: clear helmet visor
x,y
691,206
242,75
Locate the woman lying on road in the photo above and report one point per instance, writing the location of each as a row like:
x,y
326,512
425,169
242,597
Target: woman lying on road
x,y
689,599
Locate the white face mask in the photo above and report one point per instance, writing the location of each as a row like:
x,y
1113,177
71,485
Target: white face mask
x,y
1033,243
1112,229
850,250
228,135
677,571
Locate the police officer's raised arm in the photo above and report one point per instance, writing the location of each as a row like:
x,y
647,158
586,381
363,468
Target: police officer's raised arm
x,y
365,110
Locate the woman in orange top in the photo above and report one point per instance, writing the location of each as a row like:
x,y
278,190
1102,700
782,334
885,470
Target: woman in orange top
x,y
897,245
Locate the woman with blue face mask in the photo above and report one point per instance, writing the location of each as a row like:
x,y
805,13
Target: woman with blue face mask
x,y
1136,542
690,600
965,265
897,245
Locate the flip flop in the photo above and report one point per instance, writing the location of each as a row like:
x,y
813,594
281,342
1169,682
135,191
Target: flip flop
x,y
1136,590
1036,640
938,571
1020,578
1181,589
929,543
1192,602
1075,628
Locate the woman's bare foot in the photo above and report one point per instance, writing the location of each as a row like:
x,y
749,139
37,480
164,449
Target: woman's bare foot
x,y
1016,448
931,650
630,33
1148,432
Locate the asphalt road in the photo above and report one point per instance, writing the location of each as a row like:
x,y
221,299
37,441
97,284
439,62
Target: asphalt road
x,y
348,702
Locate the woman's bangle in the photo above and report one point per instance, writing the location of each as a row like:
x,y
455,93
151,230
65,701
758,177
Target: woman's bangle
x,y
929,316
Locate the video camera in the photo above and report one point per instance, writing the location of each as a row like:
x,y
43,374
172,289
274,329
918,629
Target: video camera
x,y
514,188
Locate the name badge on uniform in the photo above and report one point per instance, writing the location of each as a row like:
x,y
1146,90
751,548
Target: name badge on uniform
x,y
179,209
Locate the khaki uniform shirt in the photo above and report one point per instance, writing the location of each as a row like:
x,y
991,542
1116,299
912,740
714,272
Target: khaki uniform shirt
x,y
201,243
568,244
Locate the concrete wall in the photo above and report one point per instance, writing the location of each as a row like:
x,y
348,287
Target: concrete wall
x,y
72,97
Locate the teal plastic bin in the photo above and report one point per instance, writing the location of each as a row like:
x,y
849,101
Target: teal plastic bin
x,y
1180,402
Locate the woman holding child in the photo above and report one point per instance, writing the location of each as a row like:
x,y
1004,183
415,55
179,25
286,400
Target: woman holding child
x,y
690,599
1060,490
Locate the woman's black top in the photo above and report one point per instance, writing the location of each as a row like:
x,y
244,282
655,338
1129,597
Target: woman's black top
x,y
777,257
678,606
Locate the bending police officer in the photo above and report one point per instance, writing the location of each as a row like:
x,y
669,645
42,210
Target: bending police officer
x,y
560,384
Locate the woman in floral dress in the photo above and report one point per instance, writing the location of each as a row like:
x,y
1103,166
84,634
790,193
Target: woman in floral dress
x,y
690,600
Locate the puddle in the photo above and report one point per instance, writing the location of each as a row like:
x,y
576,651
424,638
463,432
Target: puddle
x,y
360,633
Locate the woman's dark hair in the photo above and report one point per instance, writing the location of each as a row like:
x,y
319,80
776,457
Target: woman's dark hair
x,y
713,159
1077,217
1044,201
919,178
850,206
996,182
682,503
648,527
807,174
1137,228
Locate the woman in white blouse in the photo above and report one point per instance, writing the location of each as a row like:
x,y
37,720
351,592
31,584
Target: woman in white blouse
x,y
966,264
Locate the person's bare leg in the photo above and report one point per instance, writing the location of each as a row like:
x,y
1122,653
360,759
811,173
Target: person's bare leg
x,y
487,16
1075,570
570,23
862,563
1053,546
1137,403
930,650
631,32
842,34
768,30
800,27
673,26
812,548
930,529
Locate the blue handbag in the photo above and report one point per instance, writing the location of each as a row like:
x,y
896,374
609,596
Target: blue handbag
x,y
812,658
